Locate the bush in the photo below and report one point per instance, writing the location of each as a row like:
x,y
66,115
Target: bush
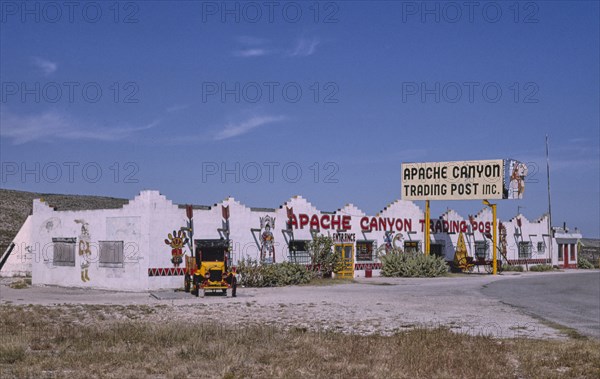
x,y
325,260
584,263
539,268
254,274
517,268
398,264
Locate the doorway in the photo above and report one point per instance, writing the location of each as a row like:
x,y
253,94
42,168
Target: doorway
x,y
346,251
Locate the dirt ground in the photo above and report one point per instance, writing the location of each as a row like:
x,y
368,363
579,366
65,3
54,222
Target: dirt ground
x,y
365,306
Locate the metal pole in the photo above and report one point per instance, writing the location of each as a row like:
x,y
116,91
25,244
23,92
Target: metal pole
x,y
549,203
427,227
494,241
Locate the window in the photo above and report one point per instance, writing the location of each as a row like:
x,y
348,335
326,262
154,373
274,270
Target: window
x,y
481,249
64,251
111,253
437,249
411,246
298,252
524,250
364,251
572,257
541,247
560,252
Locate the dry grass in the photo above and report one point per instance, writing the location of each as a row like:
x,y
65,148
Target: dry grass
x,y
116,341
20,284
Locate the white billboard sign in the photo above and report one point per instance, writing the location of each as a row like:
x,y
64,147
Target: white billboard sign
x,y
460,180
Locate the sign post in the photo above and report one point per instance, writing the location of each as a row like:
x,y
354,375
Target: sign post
x,y
427,228
494,237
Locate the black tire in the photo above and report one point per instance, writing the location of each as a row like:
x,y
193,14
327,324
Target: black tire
x,y
196,285
187,283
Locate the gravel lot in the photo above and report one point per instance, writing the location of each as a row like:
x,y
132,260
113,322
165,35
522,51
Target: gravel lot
x,y
366,306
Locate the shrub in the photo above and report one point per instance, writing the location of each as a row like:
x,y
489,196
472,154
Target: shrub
x,y
325,260
584,263
539,268
20,284
517,268
254,274
398,264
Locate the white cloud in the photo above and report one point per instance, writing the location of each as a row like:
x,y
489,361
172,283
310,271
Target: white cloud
x,y
53,125
233,130
305,47
257,47
246,53
45,65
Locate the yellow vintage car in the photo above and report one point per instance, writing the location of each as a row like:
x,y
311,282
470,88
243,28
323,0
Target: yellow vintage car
x,y
208,270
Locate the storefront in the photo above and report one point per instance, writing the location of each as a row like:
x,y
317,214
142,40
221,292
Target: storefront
x,y
140,246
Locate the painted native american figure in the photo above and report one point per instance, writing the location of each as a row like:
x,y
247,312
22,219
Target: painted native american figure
x,y
84,249
267,240
177,241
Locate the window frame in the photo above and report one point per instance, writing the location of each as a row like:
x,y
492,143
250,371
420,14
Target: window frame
x,y
112,264
373,249
529,246
486,246
442,244
64,242
541,250
412,244
304,258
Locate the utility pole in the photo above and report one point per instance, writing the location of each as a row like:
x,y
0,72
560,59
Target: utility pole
x,y
549,202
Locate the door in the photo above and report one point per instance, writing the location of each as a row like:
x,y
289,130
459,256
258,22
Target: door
x,y
566,254
347,265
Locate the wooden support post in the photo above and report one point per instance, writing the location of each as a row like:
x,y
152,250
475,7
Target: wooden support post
x,y
427,227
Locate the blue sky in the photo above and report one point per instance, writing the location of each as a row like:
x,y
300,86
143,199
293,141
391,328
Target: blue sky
x,y
168,95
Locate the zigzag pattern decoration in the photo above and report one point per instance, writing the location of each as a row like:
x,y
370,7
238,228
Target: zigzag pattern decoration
x,y
170,271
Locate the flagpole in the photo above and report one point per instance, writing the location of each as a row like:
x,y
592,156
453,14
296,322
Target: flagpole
x,y
549,202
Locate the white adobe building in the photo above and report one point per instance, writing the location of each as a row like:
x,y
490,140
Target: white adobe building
x,y
127,248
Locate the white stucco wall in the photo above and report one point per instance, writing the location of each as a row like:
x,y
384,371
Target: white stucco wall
x,y
535,232
122,224
19,262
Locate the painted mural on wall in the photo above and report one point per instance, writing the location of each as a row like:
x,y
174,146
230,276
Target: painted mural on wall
x,y
502,230
177,240
53,223
392,242
85,251
516,186
267,246
461,255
